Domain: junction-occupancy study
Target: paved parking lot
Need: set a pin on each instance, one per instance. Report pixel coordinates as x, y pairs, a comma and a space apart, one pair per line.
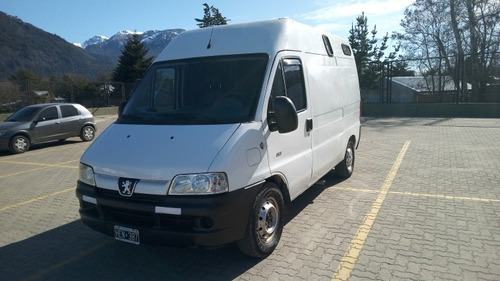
423, 204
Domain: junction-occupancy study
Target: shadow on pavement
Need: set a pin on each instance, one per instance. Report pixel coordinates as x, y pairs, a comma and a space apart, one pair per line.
75, 252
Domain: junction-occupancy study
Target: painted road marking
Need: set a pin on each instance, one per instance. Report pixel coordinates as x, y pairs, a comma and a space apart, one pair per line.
40, 164
43, 166
440, 196
350, 257
36, 199
405, 193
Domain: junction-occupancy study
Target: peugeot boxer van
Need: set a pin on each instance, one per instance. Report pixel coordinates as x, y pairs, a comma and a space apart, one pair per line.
228, 126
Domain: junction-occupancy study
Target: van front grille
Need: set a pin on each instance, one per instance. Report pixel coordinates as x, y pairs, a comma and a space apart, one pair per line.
136, 196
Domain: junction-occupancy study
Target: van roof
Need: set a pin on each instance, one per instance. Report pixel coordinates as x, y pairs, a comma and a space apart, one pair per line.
268, 37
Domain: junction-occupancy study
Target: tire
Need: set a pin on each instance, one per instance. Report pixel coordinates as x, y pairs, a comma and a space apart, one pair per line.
87, 133
345, 168
265, 224
19, 144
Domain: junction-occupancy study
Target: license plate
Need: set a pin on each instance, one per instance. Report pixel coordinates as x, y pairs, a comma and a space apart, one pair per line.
126, 234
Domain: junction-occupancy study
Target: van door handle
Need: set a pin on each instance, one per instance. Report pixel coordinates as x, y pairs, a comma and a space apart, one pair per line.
309, 124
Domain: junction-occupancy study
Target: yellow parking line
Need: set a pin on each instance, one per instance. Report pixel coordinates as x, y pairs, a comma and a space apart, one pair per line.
354, 189
350, 257
36, 199
37, 164
31, 153
43, 166
19, 173
439, 196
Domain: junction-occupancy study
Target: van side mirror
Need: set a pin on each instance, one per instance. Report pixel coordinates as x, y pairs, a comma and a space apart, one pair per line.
285, 114
121, 107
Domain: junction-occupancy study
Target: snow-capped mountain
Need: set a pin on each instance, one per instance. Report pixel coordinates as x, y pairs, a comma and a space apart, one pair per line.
156, 41
94, 40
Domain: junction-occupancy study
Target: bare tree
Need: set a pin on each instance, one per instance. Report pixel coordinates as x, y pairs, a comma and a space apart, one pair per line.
427, 39
463, 49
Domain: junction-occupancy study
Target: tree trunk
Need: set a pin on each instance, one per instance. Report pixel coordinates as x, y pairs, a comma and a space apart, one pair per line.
458, 78
473, 48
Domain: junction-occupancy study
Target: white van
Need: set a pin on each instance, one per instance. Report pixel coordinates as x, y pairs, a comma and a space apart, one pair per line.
228, 126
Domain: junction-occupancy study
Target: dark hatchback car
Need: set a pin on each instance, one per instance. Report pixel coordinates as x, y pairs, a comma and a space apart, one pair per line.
45, 122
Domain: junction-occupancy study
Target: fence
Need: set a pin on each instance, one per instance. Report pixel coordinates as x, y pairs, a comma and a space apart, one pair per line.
433, 80
437, 80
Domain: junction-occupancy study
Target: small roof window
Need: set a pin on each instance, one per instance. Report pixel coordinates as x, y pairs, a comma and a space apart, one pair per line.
328, 46
346, 50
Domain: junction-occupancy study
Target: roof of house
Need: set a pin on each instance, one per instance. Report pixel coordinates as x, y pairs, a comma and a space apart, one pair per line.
425, 83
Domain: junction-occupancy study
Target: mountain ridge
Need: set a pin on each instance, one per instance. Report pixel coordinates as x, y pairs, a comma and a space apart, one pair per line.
155, 40
23, 45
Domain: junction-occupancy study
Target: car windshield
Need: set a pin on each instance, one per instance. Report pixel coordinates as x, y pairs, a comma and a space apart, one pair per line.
213, 90
23, 115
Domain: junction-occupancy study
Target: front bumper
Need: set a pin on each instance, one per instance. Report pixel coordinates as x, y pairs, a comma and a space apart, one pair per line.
207, 221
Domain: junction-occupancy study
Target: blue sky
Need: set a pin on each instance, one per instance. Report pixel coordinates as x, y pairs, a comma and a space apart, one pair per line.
79, 20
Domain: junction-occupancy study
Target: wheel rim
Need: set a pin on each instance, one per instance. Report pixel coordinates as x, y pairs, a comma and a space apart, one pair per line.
20, 144
267, 220
88, 133
349, 159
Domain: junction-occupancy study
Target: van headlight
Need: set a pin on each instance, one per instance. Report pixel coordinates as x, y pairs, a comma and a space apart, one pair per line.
199, 184
86, 174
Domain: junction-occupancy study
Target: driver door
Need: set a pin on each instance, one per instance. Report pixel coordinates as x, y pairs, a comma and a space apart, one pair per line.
46, 126
290, 154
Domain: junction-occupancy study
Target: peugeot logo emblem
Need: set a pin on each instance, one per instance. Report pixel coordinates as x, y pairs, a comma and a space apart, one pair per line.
126, 186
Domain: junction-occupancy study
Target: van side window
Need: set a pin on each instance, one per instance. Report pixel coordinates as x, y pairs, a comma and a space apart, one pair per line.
289, 81
294, 81
278, 83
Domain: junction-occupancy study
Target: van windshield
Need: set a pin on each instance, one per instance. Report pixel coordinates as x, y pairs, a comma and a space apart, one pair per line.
212, 90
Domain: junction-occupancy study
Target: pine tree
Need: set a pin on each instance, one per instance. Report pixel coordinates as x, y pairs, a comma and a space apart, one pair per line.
211, 17
369, 56
132, 63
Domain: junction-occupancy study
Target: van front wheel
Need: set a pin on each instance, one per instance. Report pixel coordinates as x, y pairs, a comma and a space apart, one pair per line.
345, 168
265, 224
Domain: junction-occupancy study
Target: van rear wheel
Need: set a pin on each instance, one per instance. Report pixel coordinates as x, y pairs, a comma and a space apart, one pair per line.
265, 224
345, 168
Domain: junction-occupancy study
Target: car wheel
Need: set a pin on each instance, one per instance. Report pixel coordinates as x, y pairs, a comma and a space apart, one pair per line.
87, 133
345, 168
19, 144
265, 224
